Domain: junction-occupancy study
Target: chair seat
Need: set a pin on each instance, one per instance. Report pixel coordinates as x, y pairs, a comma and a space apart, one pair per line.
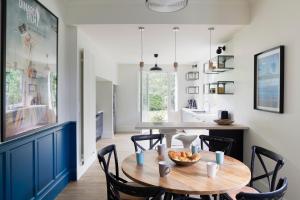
134, 184
245, 189
124, 196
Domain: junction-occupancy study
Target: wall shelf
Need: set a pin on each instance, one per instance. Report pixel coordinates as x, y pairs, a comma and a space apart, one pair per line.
219, 87
219, 64
192, 76
192, 90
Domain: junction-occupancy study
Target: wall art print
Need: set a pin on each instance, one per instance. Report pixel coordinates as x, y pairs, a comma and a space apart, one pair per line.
269, 80
29, 44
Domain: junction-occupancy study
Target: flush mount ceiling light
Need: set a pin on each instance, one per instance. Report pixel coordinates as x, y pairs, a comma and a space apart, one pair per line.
156, 67
165, 6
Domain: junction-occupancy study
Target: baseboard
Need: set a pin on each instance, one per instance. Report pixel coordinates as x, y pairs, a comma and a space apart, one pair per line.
125, 129
83, 168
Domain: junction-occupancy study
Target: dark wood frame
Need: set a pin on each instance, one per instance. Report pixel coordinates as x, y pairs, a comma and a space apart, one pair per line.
281, 93
3, 17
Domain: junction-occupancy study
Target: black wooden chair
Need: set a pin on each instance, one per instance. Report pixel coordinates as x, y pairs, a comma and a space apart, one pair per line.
277, 194
215, 143
155, 138
270, 175
118, 188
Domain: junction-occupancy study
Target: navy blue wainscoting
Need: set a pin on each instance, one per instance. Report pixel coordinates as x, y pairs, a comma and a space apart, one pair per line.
39, 165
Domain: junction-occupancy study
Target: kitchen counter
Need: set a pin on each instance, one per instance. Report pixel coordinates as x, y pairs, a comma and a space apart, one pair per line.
188, 125
235, 131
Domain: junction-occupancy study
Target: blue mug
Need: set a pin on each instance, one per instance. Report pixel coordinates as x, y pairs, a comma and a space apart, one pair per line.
140, 157
195, 149
219, 157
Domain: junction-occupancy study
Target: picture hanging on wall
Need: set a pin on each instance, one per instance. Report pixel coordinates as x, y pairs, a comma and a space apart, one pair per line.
269, 80
29, 43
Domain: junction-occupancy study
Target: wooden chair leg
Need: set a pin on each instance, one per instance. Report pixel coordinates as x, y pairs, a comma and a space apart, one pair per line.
205, 197
215, 196
168, 196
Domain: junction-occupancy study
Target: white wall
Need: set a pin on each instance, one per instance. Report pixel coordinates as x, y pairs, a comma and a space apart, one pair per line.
104, 102
274, 22
105, 67
127, 108
97, 64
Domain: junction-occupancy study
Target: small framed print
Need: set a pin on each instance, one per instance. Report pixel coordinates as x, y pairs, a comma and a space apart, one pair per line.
269, 80
192, 90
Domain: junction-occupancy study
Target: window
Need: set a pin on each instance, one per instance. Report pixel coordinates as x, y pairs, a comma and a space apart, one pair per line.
159, 95
14, 88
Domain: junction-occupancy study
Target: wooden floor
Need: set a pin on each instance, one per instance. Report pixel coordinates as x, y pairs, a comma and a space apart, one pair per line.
92, 185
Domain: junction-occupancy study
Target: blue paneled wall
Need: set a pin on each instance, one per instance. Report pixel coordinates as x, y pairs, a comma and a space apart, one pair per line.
39, 165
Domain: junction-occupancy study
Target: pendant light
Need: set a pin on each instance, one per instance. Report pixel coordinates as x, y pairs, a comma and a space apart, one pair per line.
166, 6
175, 29
142, 47
210, 65
156, 67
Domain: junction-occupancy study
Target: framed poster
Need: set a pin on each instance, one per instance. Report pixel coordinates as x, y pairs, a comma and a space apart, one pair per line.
269, 80
29, 43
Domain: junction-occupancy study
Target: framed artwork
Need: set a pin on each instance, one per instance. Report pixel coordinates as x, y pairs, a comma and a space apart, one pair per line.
29, 60
269, 80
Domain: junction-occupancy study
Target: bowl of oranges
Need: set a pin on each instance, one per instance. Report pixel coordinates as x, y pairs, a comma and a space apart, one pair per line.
184, 158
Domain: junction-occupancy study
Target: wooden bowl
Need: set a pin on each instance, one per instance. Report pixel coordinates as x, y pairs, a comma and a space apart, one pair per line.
224, 121
184, 163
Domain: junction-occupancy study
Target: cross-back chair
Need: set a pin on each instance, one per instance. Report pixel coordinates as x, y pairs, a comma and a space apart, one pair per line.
216, 143
118, 188
270, 174
155, 138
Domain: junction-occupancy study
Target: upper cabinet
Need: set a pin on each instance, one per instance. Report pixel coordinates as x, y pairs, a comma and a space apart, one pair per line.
219, 64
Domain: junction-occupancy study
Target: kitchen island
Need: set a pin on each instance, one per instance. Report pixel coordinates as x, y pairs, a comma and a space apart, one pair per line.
235, 131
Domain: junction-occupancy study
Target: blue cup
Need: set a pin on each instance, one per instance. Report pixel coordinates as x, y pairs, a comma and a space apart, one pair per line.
219, 157
195, 149
140, 157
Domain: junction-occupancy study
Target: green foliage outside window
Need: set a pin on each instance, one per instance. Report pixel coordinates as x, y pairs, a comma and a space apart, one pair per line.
14, 86
156, 103
53, 79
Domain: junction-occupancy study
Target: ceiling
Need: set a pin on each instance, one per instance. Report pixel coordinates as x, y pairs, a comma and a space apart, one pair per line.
122, 41
143, 1
222, 12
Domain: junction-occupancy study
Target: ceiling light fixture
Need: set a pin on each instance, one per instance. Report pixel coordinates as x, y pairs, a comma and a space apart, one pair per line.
142, 47
221, 49
210, 58
156, 67
165, 6
175, 29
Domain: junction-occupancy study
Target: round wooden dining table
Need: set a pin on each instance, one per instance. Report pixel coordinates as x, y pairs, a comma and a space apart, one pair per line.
193, 179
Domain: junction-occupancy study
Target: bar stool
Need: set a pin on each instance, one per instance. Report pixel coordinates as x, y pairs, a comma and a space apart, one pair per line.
186, 139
